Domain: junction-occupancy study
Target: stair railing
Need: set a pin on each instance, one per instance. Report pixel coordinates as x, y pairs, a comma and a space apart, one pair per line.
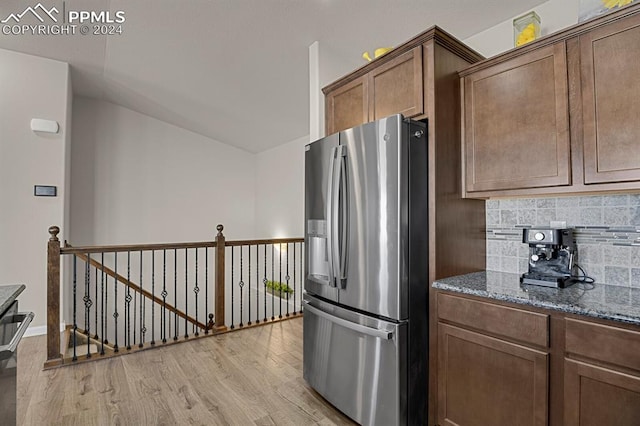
159, 285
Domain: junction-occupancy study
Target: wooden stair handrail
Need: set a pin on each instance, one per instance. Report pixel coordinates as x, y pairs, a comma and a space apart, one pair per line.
263, 242
140, 290
69, 249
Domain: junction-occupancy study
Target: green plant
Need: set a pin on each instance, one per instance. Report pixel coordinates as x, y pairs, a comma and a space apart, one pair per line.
278, 287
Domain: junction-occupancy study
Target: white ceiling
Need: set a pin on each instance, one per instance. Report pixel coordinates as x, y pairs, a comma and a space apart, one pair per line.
237, 71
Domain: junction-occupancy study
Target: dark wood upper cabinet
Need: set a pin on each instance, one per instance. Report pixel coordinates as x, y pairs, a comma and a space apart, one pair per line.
348, 106
517, 123
609, 58
557, 116
399, 82
397, 86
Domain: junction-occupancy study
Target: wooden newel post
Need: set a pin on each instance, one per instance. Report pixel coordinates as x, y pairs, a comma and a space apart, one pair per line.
219, 263
53, 299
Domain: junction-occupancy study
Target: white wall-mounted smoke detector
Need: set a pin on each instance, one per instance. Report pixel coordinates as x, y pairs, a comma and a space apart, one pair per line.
44, 126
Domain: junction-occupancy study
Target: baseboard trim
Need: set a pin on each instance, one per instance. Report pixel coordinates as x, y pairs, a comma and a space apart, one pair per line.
40, 330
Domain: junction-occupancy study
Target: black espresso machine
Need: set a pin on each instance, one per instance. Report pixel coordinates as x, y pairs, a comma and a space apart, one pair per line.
552, 255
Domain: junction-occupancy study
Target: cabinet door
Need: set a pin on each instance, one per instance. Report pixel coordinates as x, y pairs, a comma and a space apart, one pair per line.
396, 87
517, 123
487, 381
347, 106
596, 396
609, 58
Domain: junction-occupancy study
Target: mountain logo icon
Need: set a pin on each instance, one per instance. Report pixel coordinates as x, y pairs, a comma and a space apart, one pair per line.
39, 11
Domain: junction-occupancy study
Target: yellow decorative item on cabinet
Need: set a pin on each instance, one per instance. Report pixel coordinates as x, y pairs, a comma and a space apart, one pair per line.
610, 4
592, 8
526, 28
376, 53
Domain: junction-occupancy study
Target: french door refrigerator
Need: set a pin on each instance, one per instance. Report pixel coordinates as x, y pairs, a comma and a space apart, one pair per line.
366, 283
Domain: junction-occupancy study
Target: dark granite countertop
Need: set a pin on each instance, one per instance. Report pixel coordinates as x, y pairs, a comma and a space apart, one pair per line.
595, 300
8, 294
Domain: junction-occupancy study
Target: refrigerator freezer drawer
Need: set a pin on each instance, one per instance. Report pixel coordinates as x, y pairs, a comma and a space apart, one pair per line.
358, 367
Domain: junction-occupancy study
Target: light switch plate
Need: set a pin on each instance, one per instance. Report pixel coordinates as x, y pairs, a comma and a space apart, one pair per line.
45, 191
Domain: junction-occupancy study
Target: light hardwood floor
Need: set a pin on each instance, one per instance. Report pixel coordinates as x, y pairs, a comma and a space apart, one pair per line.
248, 377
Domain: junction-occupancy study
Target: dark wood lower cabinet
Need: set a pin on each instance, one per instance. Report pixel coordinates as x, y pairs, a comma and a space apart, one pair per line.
597, 396
503, 364
487, 381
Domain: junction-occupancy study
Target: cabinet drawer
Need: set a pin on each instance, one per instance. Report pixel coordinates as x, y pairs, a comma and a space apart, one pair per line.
603, 343
514, 324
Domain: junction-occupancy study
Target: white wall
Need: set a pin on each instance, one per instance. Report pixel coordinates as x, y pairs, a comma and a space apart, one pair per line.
135, 179
554, 15
31, 87
280, 191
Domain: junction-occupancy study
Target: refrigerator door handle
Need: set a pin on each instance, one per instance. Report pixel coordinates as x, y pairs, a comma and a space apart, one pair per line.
359, 328
330, 224
339, 237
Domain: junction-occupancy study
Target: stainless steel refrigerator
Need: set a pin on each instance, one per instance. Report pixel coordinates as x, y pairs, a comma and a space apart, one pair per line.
366, 282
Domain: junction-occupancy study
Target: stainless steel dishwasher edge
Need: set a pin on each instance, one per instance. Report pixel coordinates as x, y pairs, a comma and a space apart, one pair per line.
13, 325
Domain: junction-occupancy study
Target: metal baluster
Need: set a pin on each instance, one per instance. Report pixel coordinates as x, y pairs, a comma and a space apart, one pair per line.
87, 303
196, 290
249, 287
206, 286
264, 282
153, 294
135, 317
257, 283
273, 268
102, 303
186, 293
143, 329
241, 284
232, 326
105, 307
115, 303
280, 278
128, 301
75, 322
175, 294
164, 296
96, 312
287, 278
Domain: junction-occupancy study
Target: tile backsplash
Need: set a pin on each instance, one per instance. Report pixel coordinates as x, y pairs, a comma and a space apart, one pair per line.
606, 228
